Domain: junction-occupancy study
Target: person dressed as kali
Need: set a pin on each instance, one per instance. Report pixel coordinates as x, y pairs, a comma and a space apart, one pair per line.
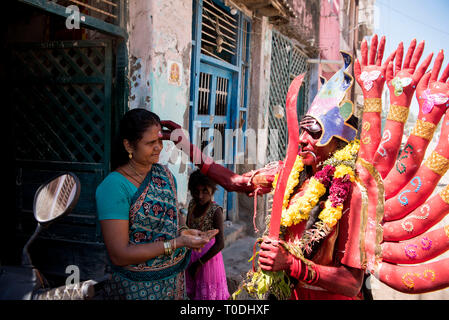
344, 207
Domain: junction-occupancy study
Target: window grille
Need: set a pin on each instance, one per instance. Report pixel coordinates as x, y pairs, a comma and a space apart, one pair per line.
218, 33
287, 62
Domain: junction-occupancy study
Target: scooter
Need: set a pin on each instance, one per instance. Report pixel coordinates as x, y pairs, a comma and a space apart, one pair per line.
52, 201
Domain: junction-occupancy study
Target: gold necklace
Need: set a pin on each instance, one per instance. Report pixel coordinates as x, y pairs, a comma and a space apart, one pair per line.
134, 169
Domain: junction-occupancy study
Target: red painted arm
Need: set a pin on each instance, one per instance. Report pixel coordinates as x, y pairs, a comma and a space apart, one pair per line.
370, 75
401, 84
422, 278
340, 279
424, 182
429, 92
221, 175
420, 220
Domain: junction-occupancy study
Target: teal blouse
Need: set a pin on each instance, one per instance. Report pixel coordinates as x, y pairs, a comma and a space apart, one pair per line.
114, 196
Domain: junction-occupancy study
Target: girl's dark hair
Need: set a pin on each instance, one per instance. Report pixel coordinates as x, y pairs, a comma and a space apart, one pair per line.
199, 179
132, 126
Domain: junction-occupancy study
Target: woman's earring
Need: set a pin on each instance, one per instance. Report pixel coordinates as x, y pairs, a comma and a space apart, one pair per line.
130, 155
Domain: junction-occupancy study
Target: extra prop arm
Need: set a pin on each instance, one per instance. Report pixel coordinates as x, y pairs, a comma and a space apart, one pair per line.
419, 249
402, 81
421, 186
370, 75
390, 219
420, 220
432, 98
422, 278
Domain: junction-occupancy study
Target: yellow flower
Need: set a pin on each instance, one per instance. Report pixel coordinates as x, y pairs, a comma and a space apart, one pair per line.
330, 215
293, 180
348, 152
342, 170
300, 209
275, 181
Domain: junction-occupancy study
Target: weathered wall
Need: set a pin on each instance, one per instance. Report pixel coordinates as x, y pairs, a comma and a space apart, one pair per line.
305, 28
160, 32
329, 31
329, 41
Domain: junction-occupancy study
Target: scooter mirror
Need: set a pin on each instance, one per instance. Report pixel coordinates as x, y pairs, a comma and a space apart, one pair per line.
56, 198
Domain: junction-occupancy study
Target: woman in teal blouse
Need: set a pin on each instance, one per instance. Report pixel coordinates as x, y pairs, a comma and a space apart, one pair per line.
145, 236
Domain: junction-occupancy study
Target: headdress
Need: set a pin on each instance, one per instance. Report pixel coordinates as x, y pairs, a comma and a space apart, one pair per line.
331, 109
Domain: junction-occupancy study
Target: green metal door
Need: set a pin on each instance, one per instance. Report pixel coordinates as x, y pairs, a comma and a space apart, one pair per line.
61, 104
287, 62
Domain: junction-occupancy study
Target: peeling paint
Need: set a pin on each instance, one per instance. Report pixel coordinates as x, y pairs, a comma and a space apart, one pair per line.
161, 31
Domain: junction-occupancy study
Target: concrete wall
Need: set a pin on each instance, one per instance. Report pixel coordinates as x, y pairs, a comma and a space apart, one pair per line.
330, 30
329, 42
305, 28
160, 32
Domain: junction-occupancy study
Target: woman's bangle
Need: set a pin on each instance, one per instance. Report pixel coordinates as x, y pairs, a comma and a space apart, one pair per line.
167, 248
183, 227
201, 261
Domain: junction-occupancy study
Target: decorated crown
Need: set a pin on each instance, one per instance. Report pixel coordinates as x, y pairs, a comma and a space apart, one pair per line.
331, 109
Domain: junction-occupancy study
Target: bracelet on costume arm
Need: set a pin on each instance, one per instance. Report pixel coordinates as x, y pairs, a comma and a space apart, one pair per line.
295, 269
309, 271
313, 274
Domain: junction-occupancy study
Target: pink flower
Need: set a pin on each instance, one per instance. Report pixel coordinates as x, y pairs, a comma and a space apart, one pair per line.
325, 175
339, 190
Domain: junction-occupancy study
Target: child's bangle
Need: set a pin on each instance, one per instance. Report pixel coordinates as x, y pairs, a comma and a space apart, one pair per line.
201, 261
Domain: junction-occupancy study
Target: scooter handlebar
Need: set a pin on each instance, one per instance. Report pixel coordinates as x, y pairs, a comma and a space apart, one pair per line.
81, 291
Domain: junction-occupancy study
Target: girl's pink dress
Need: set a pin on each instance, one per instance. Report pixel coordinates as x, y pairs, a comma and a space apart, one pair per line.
210, 280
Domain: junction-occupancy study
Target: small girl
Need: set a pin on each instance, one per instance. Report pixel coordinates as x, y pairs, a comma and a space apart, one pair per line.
206, 276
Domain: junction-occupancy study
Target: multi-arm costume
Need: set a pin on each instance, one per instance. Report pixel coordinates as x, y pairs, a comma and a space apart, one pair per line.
366, 208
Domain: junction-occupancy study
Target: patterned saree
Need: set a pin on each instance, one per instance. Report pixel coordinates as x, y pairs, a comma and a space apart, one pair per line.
153, 216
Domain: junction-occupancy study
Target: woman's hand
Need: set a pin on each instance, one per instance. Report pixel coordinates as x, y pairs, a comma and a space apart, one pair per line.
192, 239
208, 235
192, 232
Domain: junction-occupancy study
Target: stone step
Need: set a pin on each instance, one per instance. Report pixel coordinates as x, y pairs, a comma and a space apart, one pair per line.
232, 232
